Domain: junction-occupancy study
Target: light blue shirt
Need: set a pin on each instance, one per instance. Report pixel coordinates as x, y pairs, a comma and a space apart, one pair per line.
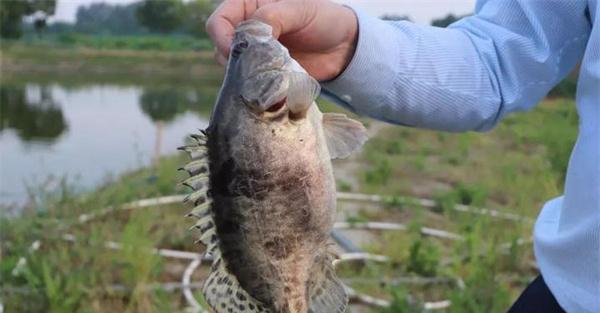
503, 59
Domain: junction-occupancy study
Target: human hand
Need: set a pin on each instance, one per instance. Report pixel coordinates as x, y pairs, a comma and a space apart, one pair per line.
320, 35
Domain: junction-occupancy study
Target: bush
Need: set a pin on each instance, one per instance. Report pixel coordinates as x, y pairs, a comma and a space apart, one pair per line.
401, 303
380, 174
461, 194
423, 258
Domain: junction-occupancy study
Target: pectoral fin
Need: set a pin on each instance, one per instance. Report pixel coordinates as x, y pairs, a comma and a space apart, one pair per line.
342, 134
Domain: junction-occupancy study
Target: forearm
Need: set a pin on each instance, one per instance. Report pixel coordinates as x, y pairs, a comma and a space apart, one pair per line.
461, 78
388, 79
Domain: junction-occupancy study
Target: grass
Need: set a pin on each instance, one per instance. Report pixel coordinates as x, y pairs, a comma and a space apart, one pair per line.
81, 276
514, 168
146, 42
518, 165
172, 43
79, 64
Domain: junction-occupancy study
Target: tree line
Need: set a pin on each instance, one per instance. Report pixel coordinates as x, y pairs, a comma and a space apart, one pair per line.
142, 17
13, 11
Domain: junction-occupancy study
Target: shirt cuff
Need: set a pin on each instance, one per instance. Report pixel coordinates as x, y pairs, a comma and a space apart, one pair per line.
362, 85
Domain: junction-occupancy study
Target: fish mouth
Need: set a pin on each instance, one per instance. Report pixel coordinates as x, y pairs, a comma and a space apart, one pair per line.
272, 112
276, 111
277, 106
255, 28
266, 92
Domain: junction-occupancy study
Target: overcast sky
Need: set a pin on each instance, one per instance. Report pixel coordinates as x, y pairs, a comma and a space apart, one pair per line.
421, 11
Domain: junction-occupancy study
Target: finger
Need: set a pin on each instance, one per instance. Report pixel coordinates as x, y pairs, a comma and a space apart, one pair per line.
286, 16
221, 24
221, 59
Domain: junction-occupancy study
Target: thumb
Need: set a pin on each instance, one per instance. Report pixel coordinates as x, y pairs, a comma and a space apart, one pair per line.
286, 16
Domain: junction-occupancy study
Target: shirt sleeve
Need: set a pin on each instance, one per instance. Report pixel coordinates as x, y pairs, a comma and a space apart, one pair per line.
504, 58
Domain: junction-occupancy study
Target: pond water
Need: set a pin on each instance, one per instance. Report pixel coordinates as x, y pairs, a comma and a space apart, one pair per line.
87, 134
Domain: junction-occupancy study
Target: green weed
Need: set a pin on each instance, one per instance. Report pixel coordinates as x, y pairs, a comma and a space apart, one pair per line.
401, 303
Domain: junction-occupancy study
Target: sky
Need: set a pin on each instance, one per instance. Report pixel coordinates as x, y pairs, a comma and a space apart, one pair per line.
420, 11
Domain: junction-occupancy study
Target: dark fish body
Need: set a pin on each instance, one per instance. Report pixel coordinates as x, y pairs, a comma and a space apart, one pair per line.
274, 202
267, 207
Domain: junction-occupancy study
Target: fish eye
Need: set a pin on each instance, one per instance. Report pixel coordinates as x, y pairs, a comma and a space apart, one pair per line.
239, 47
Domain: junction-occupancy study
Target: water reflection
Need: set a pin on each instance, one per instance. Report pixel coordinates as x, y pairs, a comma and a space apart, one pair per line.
90, 132
32, 112
163, 105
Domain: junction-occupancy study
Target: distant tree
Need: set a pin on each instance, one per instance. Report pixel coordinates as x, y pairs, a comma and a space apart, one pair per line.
161, 15
103, 18
39, 24
142, 16
59, 27
197, 12
12, 13
41, 10
89, 19
447, 20
395, 17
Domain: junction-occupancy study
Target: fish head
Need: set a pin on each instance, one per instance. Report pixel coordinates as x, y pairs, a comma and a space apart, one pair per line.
268, 81
254, 50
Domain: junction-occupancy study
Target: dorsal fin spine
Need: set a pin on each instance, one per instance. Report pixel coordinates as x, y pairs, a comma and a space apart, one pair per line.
222, 297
